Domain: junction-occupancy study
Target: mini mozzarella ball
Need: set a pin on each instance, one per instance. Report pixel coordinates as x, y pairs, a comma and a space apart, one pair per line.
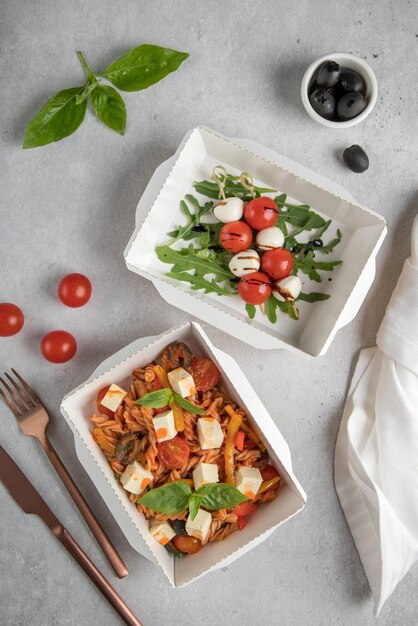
269, 238
244, 263
287, 289
229, 210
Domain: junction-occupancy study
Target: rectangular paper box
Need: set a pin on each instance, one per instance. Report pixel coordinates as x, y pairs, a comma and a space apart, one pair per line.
78, 406
158, 213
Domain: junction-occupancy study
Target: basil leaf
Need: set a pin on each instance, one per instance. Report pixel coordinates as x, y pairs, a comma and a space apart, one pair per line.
194, 506
187, 406
169, 499
143, 66
58, 118
109, 107
313, 296
220, 496
86, 92
156, 399
251, 310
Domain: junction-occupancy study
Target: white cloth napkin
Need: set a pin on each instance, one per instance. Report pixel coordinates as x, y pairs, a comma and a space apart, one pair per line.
376, 455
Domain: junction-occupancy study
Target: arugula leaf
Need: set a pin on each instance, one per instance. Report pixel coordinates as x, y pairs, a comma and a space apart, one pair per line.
220, 496
199, 283
58, 118
313, 296
190, 259
251, 310
187, 406
308, 265
156, 399
232, 188
109, 107
143, 66
170, 499
331, 245
272, 304
193, 219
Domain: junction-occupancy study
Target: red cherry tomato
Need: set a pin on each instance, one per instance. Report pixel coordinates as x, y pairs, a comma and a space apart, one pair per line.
205, 374
58, 346
173, 453
11, 319
268, 473
74, 290
103, 410
242, 522
254, 288
277, 263
189, 545
261, 213
235, 236
245, 508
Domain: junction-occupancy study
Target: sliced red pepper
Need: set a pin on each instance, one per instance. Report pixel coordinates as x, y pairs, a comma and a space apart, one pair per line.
239, 440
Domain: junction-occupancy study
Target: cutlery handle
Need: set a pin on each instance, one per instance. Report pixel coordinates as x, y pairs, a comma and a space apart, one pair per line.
91, 520
96, 576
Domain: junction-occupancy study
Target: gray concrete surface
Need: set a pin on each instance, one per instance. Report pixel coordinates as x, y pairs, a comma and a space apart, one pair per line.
70, 206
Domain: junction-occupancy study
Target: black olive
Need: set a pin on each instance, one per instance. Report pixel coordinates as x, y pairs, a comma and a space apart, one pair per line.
350, 80
328, 74
179, 527
323, 102
295, 249
127, 448
216, 248
350, 105
356, 159
199, 228
235, 280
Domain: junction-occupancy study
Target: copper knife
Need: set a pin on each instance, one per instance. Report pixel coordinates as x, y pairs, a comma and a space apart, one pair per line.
28, 498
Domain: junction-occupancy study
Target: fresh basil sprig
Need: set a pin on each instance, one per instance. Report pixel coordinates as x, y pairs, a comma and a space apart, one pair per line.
176, 497
164, 397
60, 117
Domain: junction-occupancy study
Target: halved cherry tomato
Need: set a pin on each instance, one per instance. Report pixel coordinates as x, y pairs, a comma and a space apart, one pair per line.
205, 374
189, 545
239, 440
250, 444
261, 213
254, 288
58, 346
245, 508
269, 472
173, 453
103, 410
74, 290
277, 263
242, 522
11, 319
235, 236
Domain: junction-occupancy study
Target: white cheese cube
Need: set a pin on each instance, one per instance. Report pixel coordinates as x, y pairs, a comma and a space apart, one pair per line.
205, 473
209, 432
113, 398
136, 478
164, 426
182, 382
162, 532
199, 527
248, 481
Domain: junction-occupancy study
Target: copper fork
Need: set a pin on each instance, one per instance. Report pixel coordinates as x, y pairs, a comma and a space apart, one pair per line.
33, 421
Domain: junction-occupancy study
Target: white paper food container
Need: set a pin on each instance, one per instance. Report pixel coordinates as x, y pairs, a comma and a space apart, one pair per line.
158, 213
78, 406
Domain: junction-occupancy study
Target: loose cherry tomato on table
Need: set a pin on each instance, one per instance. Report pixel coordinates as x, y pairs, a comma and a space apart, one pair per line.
235, 236
11, 319
173, 453
58, 346
261, 213
254, 288
245, 508
189, 545
103, 410
74, 290
205, 374
277, 263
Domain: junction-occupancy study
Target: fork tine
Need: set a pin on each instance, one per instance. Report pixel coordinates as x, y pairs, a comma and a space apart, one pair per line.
17, 400
21, 391
29, 389
10, 404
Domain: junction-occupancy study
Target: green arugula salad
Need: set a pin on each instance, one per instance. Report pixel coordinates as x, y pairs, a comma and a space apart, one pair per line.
244, 242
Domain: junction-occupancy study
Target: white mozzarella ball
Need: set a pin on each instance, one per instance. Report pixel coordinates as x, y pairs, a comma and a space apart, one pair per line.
270, 238
244, 263
287, 289
229, 210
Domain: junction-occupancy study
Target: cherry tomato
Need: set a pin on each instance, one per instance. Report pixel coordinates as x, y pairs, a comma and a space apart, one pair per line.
103, 410
254, 288
173, 453
189, 545
242, 522
261, 213
11, 319
245, 508
269, 472
277, 263
58, 346
205, 374
74, 290
235, 236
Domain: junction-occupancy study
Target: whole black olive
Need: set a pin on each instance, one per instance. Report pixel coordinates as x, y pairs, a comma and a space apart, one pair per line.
328, 74
350, 105
350, 80
323, 102
356, 159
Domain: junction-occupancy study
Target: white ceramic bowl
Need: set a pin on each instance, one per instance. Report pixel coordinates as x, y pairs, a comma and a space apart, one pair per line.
345, 60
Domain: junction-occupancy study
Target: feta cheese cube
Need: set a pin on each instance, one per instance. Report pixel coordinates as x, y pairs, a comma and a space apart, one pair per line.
164, 426
205, 473
199, 527
209, 432
182, 382
162, 532
113, 397
248, 481
136, 478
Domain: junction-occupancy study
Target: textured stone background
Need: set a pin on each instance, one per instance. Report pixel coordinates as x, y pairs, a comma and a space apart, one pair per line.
70, 206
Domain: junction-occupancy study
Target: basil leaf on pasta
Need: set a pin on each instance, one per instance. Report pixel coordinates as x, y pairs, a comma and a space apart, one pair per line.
220, 496
187, 406
156, 399
194, 506
169, 499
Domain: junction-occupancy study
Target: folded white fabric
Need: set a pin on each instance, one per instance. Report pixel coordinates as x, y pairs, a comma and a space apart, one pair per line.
376, 455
